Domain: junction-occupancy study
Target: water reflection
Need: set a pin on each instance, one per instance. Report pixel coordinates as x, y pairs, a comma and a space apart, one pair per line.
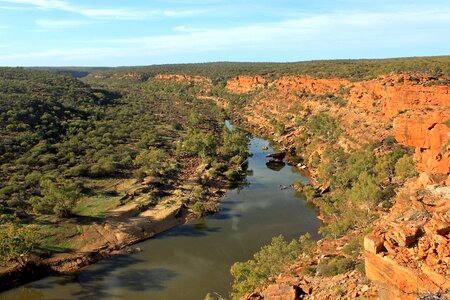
275, 165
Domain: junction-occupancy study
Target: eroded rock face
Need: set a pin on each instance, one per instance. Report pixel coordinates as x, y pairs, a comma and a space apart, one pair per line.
413, 108
182, 77
409, 250
427, 132
129, 75
245, 84
408, 253
393, 94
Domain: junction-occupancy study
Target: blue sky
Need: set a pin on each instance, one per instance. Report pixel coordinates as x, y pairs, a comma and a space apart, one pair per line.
132, 32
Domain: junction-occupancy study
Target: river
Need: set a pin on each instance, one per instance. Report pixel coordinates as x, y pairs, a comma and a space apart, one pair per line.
193, 259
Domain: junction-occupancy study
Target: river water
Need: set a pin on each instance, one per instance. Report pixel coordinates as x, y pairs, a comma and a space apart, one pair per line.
193, 259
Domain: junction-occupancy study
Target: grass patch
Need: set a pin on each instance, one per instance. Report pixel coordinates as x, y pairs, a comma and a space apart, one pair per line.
58, 238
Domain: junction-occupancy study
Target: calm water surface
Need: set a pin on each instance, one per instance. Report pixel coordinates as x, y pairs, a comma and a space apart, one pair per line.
191, 260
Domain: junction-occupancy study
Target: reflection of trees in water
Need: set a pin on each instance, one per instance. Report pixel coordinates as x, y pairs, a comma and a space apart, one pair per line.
240, 185
23, 293
94, 283
275, 165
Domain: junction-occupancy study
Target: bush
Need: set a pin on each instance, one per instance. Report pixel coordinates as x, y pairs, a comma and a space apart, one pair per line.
353, 247
16, 240
199, 208
365, 191
324, 127
199, 143
310, 192
335, 266
278, 127
58, 198
232, 174
152, 161
309, 270
405, 168
315, 160
267, 262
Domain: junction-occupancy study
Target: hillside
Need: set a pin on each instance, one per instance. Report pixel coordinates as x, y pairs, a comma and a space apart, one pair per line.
95, 164
88, 171
364, 143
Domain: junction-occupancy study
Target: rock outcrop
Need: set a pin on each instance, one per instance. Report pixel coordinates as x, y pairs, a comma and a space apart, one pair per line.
426, 130
181, 77
408, 253
129, 75
245, 84
412, 108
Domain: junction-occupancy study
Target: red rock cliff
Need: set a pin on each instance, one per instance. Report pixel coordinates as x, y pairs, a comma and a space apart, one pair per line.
245, 84
374, 105
427, 132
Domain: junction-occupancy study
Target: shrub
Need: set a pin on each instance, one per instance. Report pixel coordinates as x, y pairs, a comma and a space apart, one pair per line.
405, 168
199, 143
232, 174
267, 262
353, 247
16, 240
324, 127
199, 208
310, 192
153, 161
365, 191
58, 197
309, 270
209, 297
278, 126
335, 266
315, 160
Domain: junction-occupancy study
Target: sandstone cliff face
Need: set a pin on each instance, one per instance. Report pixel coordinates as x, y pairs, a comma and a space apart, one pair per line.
309, 85
408, 253
409, 250
130, 75
245, 84
180, 77
205, 82
374, 106
427, 132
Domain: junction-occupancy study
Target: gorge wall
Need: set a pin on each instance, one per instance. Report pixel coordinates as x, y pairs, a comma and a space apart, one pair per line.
414, 109
408, 251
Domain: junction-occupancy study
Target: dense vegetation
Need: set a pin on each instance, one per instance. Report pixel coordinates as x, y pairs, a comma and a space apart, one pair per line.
267, 262
360, 181
65, 145
351, 69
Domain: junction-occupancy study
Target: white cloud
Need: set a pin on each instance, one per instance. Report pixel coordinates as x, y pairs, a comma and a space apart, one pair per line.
103, 13
13, 8
60, 24
344, 32
183, 28
182, 13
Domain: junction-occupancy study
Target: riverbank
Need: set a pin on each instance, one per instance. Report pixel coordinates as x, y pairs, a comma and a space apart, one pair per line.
124, 227
175, 262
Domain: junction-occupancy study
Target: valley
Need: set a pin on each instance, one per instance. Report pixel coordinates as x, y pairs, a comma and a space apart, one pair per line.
147, 149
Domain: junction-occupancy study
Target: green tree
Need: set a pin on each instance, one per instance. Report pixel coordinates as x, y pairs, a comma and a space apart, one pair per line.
152, 161
405, 168
16, 240
58, 197
267, 262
